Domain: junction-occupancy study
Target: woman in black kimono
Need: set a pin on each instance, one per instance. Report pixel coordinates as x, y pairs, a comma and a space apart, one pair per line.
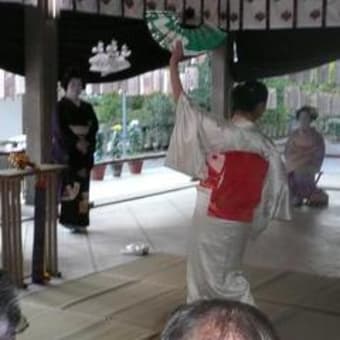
74, 141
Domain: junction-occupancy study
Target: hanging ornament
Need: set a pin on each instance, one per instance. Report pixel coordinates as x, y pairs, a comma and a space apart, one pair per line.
109, 59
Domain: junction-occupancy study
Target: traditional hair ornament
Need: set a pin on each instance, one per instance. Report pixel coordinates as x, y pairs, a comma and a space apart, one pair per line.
109, 59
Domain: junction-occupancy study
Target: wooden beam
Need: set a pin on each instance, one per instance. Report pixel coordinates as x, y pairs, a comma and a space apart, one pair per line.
222, 82
41, 83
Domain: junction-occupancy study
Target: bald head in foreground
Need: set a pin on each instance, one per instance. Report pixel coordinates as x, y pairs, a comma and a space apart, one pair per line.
218, 320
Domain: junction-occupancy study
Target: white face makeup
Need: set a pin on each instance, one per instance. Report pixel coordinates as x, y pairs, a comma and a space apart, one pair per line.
74, 88
304, 120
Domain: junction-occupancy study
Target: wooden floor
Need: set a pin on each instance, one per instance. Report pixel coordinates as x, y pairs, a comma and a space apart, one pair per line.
133, 300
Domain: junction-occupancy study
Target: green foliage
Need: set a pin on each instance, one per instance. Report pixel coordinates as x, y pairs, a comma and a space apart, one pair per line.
136, 102
108, 108
147, 109
280, 114
99, 151
155, 114
274, 122
333, 127
135, 138
142, 115
202, 94
161, 111
115, 145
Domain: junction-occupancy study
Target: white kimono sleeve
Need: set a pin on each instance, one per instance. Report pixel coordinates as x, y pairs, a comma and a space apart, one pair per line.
275, 203
194, 135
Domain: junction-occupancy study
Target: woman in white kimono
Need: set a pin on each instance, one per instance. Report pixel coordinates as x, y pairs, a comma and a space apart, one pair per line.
304, 153
242, 187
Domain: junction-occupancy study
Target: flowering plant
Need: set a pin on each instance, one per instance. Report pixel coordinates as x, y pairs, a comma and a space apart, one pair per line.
135, 137
115, 147
100, 147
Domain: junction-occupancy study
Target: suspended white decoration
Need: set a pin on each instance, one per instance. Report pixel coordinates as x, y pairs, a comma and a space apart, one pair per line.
109, 59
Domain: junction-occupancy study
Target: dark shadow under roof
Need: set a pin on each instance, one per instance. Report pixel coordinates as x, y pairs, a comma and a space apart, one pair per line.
270, 53
78, 33
260, 53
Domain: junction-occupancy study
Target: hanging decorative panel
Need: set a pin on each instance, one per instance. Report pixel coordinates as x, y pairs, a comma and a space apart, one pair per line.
110, 7
281, 14
192, 13
134, 9
226, 14
223, 15
333, 13
255, 14
89, 6
210, 12
155, 5
66, 4
234, 14
309, 13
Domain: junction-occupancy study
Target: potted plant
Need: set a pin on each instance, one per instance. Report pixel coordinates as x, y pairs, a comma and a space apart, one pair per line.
98, 170
135, 146
115, 149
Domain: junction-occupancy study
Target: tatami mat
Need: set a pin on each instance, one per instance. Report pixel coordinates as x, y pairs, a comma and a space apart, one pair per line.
258, 276
111, 330
54, 324
74, 291
133, 301
306, 325
146, 266
174, 276
152, 314
291, 288
117, 300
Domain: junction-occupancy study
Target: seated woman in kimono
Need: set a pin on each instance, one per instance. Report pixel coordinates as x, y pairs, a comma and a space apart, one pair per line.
304, 154
243, 186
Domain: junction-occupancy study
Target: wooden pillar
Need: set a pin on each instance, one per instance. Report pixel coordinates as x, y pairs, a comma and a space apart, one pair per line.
222, 82
41, 82
12, 256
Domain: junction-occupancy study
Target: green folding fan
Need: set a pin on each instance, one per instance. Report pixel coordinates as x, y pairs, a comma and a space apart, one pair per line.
166, 29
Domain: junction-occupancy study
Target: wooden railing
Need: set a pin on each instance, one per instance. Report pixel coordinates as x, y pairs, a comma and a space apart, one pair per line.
10, 195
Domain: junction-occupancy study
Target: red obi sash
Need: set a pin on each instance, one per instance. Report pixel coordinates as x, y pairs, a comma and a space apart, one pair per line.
236, 180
